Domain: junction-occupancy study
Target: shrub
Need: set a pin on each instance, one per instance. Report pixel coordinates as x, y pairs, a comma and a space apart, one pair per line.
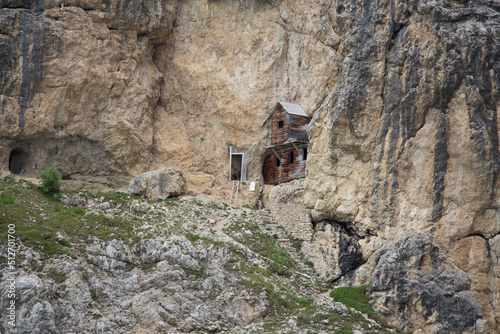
193, 237
64, 242
94, 294
51, 181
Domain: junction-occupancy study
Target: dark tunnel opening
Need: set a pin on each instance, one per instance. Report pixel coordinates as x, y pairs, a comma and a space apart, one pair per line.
18, 161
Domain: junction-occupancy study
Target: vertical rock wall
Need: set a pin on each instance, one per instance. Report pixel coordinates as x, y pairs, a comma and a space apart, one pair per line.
409, 140
404, 95
78, 85
225, 65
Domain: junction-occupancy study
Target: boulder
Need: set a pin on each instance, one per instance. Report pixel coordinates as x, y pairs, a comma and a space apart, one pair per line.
159, 184
415, 286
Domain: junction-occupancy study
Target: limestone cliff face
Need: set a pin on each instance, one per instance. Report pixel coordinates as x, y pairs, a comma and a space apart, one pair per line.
78, 84
225, 65
409, 140
404, 96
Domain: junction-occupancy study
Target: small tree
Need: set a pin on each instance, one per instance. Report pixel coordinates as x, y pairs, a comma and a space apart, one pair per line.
51, 181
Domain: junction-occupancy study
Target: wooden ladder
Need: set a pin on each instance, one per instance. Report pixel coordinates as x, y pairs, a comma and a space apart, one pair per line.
234, 191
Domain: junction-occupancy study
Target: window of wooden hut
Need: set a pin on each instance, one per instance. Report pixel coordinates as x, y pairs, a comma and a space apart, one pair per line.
278, 162
290, 157
304, 153
281, 124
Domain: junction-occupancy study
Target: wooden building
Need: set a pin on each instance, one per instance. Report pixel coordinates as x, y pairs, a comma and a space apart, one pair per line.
286, 155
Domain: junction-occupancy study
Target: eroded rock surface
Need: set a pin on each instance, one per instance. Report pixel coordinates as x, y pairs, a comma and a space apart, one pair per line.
413, 284
408, 141
159, 184
78, 85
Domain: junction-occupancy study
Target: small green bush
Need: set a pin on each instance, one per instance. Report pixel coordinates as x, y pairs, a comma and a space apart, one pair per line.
193, 237
51, 181
96, 315
64, 242
309, 264
94, 294
194, 272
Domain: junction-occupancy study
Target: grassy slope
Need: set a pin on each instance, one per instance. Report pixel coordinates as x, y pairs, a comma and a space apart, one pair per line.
56, 229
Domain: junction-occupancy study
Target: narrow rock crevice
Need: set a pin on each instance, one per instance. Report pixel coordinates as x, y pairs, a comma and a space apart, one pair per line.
441, 157
347, 237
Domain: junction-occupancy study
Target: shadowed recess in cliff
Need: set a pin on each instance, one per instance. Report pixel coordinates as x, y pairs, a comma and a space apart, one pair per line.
33, 48
8, 55
441, 157
72, 156
349, 251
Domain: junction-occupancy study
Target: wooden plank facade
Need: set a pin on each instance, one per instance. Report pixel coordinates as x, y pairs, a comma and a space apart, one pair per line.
289, 168
279, 127
286, 156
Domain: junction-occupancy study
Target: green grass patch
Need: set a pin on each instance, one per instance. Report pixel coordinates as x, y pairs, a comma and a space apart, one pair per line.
64, 243
39, 217
96, 315
193, 237
281, 262
148, 266
5, 199
354, 297
79, 211
57, 276
296, 243
94, 294
193, 272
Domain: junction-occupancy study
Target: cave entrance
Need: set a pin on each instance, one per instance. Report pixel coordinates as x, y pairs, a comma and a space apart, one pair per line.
18, 161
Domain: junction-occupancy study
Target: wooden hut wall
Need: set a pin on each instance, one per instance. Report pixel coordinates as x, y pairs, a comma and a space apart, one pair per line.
269, 171
286, 171
298, 127
278, 135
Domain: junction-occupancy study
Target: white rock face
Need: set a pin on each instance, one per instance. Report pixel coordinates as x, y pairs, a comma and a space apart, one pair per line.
159, 184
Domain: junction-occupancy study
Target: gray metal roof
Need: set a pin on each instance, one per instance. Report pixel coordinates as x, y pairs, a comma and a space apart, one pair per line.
293, 109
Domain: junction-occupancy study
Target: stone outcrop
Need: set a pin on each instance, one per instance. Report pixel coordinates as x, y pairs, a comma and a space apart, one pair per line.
415, 286
132, 299
159, 184
183, 265
334, 250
